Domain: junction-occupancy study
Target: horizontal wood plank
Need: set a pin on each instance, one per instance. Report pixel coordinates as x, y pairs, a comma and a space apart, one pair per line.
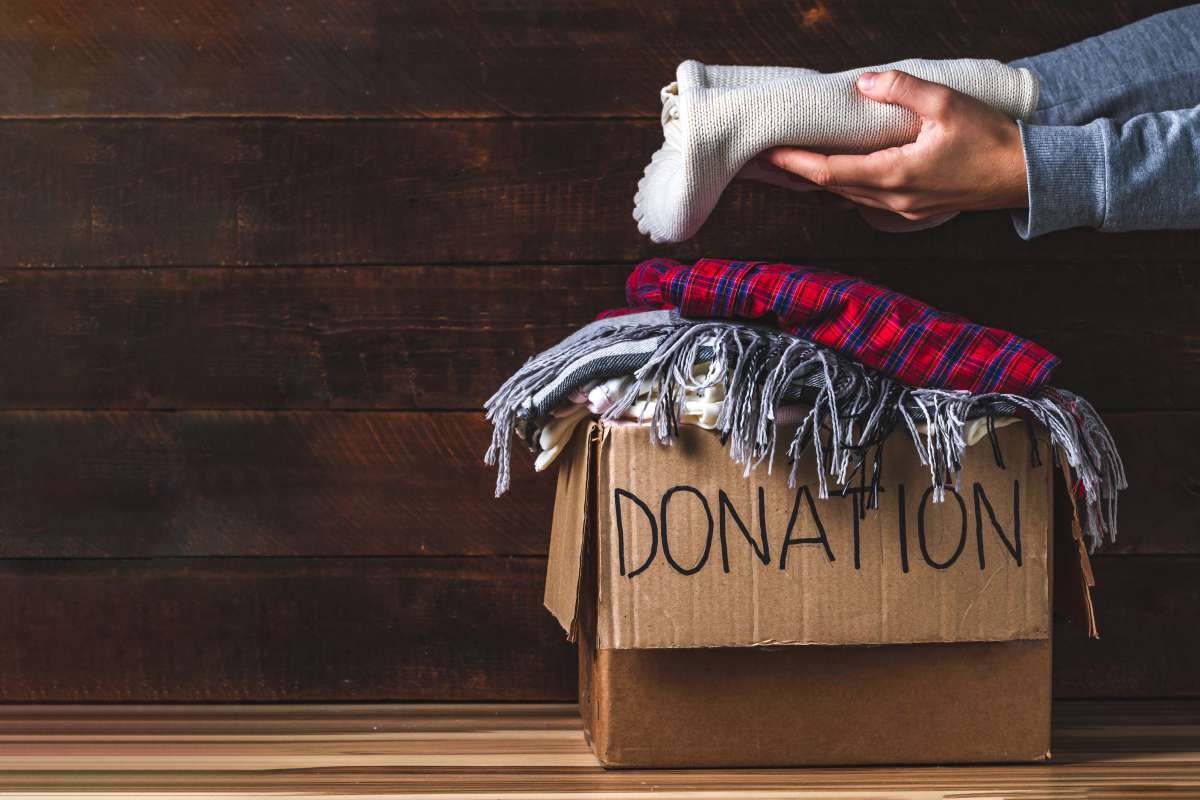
129, 485
429, 628
92, 484
445, 338
406, 337
430, 58
213, 554
1145, 750
1146, 608
237, 192
275, 629
1160, 512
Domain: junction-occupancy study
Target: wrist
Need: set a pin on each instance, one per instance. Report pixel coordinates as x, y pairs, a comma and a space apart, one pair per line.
1067, 178
1014, 182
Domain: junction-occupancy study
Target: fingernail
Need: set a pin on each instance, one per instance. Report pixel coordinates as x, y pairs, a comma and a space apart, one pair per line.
866, 80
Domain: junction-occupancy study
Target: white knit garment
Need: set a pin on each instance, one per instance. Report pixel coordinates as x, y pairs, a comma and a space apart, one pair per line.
717, 119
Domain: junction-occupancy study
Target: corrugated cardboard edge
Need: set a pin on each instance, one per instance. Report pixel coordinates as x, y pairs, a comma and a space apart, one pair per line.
1080, 608
568, 531
595, 697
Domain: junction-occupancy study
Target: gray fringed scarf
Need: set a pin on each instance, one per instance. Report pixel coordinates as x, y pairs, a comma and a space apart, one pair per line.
853, 408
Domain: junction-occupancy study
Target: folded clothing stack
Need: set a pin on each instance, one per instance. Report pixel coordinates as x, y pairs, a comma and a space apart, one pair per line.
716, 119
742, 347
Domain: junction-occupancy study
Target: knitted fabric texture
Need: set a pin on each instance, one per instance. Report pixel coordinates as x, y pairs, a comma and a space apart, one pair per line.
701, 408
850, 410
716, 119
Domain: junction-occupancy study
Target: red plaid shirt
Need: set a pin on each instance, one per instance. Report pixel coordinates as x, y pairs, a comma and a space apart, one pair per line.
897, 335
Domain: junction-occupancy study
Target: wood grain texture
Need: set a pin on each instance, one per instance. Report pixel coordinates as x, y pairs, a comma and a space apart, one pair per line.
1146, 607
280, 629
206, 484
85, 485
236, 192
430, 337
322, 545
1160, 512
403, 58
406, 337
1101, 750
274, 629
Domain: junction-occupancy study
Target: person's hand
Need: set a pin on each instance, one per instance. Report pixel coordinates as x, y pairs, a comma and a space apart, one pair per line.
967, 156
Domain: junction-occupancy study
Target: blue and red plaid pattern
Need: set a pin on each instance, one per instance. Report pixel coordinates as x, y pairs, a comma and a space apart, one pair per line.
885, 330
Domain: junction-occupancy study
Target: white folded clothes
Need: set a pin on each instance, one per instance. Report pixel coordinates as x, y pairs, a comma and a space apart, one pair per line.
716, 119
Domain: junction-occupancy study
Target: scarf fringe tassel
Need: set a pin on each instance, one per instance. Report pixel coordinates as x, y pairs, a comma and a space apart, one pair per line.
853, 409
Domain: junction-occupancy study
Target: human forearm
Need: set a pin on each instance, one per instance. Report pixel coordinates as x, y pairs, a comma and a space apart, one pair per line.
1142, 174
1149, 65
1099, 151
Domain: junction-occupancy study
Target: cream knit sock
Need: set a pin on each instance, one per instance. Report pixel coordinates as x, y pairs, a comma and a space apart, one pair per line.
717, 119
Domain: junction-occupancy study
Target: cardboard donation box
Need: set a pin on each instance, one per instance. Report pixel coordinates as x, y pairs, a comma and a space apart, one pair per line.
733, 621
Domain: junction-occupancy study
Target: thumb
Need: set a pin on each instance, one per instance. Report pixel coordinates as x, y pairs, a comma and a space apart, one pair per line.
931, 100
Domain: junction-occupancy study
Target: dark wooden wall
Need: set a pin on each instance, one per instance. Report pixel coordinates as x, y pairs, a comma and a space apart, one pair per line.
260, 264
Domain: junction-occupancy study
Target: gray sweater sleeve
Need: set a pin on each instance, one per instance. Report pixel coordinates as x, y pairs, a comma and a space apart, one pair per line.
1104, 148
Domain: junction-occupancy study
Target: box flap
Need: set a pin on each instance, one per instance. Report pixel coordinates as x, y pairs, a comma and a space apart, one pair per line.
569, 529
1074, 579
694, 554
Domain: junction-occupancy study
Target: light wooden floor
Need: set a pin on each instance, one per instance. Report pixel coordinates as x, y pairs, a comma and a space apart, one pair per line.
1102, 750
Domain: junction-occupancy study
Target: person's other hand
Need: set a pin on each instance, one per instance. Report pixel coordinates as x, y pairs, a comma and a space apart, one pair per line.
967, 156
